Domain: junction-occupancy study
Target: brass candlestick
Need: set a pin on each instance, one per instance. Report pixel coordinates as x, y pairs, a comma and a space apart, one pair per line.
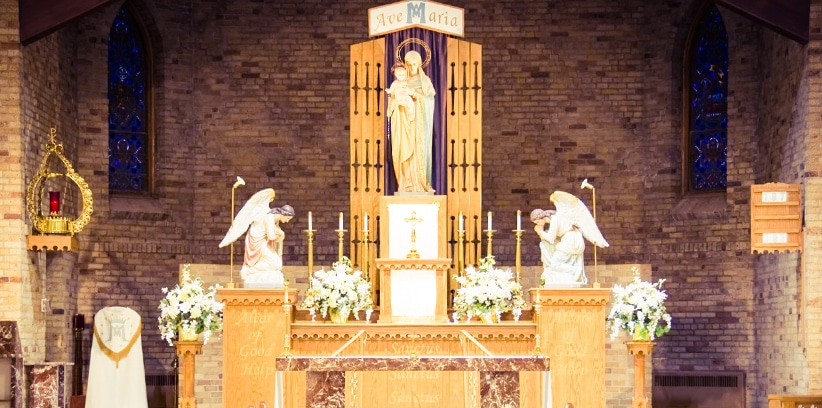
585, 184
365, 255
518, 259
310, 233
340, 237
490, 234
461, 253
286, 346
238, 183
285, 291
537, 347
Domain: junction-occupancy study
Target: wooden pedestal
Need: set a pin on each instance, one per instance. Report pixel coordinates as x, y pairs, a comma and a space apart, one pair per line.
187, 350
639, 349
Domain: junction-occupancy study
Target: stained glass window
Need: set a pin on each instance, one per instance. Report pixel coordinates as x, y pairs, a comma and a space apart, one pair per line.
129, 143
708, 105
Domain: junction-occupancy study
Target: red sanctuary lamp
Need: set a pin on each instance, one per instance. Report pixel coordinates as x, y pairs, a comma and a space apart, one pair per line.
56, 224
54, 202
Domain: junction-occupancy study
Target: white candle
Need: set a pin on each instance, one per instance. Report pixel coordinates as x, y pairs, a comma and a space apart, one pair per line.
365, 223
462, 222
309, 220
489, 222
519, 220
341, 222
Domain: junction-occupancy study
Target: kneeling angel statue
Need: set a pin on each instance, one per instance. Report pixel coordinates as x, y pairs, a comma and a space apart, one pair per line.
563, 244
263, 258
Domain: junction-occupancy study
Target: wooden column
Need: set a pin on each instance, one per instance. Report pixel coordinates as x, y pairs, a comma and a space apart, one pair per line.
639, 349
187, 350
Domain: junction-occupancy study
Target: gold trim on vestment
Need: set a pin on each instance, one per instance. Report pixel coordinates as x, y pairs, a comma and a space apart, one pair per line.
118, 355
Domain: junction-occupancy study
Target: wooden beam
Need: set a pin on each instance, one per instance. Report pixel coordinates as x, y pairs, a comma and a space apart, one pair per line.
790, 18
39, 18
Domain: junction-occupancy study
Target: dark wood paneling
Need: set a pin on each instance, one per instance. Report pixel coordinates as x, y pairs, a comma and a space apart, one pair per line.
41, 17
788, 17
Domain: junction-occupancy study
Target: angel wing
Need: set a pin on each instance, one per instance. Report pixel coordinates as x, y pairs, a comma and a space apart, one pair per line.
572, 208
256, 206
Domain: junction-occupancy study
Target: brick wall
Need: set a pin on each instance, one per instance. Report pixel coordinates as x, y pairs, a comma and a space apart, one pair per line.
50, 101
16, 283
812, 290
781, 322
572, 90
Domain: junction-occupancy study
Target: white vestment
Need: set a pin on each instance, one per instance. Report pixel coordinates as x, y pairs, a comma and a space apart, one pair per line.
116, 375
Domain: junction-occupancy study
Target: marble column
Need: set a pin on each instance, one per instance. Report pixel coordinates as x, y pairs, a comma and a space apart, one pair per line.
47, 385
11, 353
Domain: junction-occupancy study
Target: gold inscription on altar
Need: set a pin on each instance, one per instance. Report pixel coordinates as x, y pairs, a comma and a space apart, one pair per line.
414, 398
256, 317
411, 388
413, 375
402, 348
257, 349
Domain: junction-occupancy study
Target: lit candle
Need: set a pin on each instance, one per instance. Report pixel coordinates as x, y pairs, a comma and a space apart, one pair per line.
462, 222
365, 226
489, 222
309, 221
341, 222
54, 202
519, 220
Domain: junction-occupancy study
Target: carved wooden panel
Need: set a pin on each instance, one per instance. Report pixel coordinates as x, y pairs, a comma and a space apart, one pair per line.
367, 152
464, 149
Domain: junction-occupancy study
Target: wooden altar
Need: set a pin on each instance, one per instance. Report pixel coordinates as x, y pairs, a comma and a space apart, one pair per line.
568, 328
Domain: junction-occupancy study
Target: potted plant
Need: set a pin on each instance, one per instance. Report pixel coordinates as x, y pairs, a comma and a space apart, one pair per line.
487, 292
639, 309
187, 310
339, 292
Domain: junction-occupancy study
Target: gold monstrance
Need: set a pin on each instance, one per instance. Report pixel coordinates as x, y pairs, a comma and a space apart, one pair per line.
413, 220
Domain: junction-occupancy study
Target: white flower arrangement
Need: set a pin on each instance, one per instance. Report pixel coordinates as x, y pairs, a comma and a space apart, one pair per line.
339, 290
487, 292
639, 309
190, 308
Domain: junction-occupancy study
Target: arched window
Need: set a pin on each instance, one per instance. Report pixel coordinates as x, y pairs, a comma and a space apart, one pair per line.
706, 107
130, 134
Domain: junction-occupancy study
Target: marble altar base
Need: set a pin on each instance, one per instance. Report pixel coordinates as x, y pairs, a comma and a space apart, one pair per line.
326, 379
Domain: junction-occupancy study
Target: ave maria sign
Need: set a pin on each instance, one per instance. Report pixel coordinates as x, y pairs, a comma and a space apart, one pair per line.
425, 14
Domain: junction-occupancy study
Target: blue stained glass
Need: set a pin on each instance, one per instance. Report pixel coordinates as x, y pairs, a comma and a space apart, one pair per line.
128, 108
708, 136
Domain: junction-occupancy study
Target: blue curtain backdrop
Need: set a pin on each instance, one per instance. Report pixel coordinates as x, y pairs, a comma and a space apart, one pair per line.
436, 70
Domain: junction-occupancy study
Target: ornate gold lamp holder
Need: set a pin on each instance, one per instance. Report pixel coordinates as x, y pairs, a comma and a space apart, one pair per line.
52, 226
